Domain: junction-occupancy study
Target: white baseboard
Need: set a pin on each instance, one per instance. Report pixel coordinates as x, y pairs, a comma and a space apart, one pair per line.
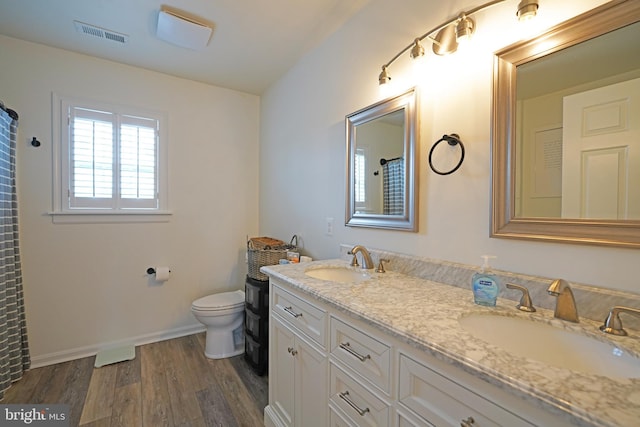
92, 350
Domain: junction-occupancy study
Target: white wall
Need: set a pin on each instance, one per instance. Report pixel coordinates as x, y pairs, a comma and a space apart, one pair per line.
302, 141
85, 285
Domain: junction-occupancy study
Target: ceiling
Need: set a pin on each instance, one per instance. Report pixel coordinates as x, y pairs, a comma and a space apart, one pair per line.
254, 42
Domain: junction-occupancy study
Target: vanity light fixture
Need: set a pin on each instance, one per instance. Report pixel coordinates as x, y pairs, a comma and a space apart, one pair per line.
464, 28
527, 9
445, 41
384, 77
454, 31
417, 50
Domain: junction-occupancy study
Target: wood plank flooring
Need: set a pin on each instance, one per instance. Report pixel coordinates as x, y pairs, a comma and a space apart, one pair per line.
169, 383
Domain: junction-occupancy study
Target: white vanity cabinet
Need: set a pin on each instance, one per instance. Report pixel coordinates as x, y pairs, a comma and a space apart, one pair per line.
327, 368
297, 362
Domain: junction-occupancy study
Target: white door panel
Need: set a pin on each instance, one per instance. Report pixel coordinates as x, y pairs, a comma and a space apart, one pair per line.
601, 153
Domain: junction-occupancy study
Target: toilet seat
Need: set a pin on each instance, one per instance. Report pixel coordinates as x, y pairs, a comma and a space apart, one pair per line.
219, 302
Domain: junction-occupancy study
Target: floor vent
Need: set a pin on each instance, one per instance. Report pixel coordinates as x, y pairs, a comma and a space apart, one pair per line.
102, 33
115, 355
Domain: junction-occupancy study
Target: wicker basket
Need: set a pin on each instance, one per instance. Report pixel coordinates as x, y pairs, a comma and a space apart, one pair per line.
264, 242
260, 254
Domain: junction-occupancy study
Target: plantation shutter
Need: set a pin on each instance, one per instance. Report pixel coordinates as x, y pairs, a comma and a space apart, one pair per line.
360, 179
113, 161
138, 163
92, 181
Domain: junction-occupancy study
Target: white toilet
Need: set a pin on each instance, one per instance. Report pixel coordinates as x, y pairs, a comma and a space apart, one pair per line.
223, 315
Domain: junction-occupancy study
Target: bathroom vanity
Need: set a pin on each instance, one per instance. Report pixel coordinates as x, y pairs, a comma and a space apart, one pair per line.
389, 349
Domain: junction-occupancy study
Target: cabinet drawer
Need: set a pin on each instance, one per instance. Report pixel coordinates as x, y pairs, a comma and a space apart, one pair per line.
364, 354
441, 401
256, 326
336, 419
358, 403
256, 295
301, 315
256, 355
404, 418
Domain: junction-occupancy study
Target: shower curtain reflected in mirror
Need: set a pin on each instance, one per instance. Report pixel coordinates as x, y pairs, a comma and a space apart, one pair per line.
14, 349
393, 187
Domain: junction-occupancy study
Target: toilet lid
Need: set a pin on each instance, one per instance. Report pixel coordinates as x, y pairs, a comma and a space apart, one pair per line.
220, 301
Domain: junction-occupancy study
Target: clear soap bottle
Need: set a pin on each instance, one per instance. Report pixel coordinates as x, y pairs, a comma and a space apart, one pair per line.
485, 285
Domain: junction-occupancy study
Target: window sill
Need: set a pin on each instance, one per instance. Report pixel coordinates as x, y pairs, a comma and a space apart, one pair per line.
99, 217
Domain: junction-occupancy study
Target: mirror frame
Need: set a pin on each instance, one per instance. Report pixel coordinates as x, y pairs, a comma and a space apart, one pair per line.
406, 101
504, 224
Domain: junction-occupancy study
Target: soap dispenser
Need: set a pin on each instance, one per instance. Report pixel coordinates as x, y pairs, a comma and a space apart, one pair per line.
485, 285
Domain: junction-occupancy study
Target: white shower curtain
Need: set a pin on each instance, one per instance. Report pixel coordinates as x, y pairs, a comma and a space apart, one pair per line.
14, 349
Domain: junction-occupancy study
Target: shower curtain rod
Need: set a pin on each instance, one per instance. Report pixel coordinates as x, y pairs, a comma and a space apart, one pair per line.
12, 113
385, 161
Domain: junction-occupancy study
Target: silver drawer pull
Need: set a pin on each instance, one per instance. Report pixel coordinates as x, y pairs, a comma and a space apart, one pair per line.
291, 312
347, 347
469, 422
344, 396
292, 351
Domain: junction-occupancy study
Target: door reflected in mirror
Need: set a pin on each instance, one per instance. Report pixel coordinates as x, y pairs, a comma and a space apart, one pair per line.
578, 130
380, 176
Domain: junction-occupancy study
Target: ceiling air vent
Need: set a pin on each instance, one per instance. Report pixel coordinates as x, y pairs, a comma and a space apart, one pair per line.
102, 33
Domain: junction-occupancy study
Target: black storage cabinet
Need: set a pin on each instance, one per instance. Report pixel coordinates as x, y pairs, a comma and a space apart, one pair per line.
256, 324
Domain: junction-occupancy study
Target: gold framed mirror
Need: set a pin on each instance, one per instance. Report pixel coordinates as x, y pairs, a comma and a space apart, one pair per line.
381, 164
551, 181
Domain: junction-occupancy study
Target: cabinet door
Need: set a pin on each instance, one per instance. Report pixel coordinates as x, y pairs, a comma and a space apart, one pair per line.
297, 378
311, 385
281, 371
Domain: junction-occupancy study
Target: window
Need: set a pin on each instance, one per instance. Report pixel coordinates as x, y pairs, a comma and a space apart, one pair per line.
360, 190
111, 160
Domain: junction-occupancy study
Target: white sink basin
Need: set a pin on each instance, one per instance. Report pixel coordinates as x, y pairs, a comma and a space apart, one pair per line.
338, 274
553, 346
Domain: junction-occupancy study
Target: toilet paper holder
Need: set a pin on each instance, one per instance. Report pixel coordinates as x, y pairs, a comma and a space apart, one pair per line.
152, 270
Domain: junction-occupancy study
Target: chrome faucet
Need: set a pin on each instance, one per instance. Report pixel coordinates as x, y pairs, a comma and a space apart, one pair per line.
367, 262
566, 304
613, 324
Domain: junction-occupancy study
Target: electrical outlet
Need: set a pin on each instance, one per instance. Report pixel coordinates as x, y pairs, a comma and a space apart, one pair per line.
329, 227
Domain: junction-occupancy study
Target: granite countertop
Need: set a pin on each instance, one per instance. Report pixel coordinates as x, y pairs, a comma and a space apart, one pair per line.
425, 314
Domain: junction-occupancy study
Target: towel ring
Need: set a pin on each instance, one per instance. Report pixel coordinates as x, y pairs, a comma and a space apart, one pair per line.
453, 139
